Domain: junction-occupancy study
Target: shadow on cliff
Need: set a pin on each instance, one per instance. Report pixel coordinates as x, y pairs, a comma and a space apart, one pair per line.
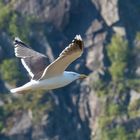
81, 17
129, 12
65, 121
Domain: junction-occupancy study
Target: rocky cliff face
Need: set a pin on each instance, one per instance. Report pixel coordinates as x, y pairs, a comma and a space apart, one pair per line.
76, 108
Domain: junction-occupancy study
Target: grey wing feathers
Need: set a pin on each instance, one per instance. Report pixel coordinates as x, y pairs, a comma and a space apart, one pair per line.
34, 62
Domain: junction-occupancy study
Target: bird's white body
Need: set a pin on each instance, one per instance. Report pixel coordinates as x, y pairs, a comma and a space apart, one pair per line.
50, 83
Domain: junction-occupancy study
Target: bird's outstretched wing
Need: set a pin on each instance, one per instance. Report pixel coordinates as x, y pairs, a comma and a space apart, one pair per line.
34, 62
67, 56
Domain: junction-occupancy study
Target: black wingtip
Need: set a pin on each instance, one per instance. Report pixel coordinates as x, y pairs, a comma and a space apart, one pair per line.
17, 41
78, 40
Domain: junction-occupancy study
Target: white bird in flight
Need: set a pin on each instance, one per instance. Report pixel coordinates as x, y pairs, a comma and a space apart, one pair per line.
44, 76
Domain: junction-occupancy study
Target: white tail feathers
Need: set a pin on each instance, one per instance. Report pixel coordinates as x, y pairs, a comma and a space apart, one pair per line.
15, 90
22, 89
19, 91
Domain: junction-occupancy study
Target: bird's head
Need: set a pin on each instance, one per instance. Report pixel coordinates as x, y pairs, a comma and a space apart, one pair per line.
75, 76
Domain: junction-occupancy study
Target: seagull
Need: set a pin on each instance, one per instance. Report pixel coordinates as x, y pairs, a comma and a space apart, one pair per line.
44, 76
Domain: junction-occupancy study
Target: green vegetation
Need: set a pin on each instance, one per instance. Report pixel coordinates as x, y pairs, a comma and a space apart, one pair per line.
19, 27
13, 22
2, 118
4, 14
117, 133
10, 71
118, 53
114, 91
31, 102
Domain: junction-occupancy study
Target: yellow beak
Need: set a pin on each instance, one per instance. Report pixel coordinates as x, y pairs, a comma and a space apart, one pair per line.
82, 76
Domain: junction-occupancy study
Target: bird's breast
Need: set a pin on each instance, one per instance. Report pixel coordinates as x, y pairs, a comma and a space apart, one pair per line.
53, 83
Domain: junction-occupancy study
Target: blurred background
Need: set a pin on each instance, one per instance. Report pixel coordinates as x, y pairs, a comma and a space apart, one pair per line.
105, 106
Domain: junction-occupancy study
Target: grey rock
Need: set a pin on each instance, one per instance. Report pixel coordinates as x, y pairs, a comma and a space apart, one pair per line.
94, 27
134, 96
138, 71
22, 124
89, 104
119, 30
108, 10
1, 103
94, 60
38, 133
53, 11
